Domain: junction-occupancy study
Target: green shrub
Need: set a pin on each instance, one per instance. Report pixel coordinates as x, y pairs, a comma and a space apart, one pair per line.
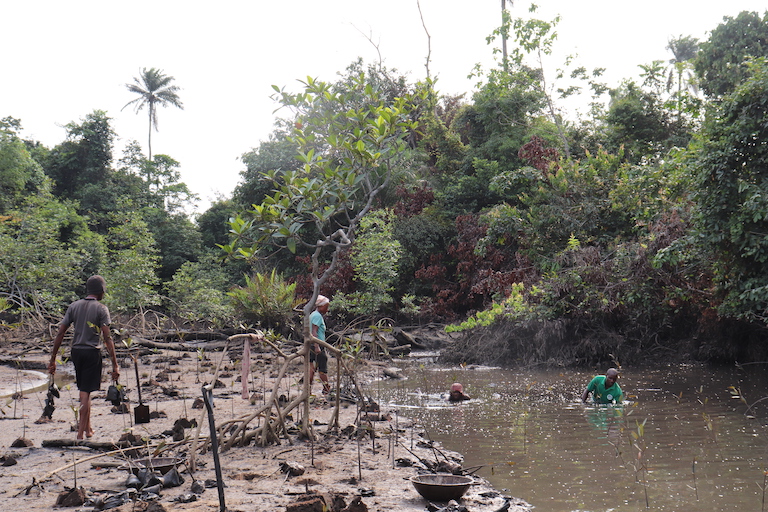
374, 258
266, 299
197, 292
514, 308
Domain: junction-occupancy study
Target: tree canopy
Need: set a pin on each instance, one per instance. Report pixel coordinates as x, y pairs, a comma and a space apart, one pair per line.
643, 219
721, 62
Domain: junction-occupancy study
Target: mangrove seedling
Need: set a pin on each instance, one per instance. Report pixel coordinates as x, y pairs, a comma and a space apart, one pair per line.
200, 358
640, 464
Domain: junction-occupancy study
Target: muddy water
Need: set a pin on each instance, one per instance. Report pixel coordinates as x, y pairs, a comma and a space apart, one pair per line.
682, 443
30, 381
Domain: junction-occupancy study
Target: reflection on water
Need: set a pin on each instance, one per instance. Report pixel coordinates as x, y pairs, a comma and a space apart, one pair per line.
681, 443
13, 380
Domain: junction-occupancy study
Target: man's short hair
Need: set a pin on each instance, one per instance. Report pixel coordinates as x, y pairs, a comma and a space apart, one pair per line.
95, 285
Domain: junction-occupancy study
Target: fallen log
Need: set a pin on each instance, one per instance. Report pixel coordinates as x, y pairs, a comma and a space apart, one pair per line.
94, 445
184, 346
392, 373
156, 449
402, 350
23, 364
171, 336
402, 338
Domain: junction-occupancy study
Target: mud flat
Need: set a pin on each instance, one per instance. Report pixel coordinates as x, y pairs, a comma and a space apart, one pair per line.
349, 469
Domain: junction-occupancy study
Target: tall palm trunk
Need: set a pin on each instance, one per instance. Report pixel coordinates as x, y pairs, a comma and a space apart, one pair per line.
149, 140
503, 35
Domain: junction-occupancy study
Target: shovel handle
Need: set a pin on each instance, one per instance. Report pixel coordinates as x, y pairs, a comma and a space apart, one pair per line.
208, 399
138, 383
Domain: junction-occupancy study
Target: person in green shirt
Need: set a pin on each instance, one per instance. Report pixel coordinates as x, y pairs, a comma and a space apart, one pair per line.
604, 388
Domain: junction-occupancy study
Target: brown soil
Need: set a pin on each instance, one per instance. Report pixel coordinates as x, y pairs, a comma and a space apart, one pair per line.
342, 472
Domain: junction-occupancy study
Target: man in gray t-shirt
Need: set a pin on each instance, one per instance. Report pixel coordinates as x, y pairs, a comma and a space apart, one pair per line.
91, 320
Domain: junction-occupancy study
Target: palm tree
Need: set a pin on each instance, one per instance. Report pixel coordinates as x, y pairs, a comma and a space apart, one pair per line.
154, 89
504, 30
684, 50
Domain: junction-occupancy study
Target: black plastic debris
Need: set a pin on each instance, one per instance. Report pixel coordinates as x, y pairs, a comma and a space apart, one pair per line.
186, 498
133, 481
198, 487
172, 478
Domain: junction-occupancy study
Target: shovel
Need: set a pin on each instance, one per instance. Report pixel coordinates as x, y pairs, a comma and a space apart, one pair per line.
141, 411
208, 399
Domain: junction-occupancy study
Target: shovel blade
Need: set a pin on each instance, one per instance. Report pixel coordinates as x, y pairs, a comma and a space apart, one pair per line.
141, 414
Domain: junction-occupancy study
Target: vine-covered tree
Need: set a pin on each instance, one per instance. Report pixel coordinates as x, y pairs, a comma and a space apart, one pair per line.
721, 60
731, 188
83, 161
132, 262
276, 154
638, 121
46, 253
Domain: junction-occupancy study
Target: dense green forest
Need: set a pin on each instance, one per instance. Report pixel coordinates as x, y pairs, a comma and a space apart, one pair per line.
638, 231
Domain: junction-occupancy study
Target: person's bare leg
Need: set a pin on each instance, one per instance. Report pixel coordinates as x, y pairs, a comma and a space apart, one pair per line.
88, 428
84, 425
311, 376
324, 380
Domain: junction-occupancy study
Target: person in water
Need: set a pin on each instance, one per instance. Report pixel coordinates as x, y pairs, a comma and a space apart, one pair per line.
457, 393
604, 388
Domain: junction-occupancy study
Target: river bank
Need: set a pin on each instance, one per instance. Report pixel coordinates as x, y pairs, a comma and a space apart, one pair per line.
350, 469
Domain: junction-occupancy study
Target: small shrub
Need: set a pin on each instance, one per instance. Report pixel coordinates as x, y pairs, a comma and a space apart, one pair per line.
266, 299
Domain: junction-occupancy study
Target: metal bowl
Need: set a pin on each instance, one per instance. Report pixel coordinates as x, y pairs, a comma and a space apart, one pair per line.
441, 487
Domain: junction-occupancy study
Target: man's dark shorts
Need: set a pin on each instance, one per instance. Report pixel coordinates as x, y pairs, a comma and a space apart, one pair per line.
322, 360
87, 363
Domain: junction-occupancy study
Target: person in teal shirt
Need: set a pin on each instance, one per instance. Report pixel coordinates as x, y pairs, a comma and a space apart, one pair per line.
604, 388
318, 359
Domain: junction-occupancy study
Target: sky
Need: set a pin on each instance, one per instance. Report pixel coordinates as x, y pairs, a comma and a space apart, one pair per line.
63, 60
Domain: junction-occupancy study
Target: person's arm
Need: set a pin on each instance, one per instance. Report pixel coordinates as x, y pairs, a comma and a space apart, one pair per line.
56, 345
589, 389
105, 332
